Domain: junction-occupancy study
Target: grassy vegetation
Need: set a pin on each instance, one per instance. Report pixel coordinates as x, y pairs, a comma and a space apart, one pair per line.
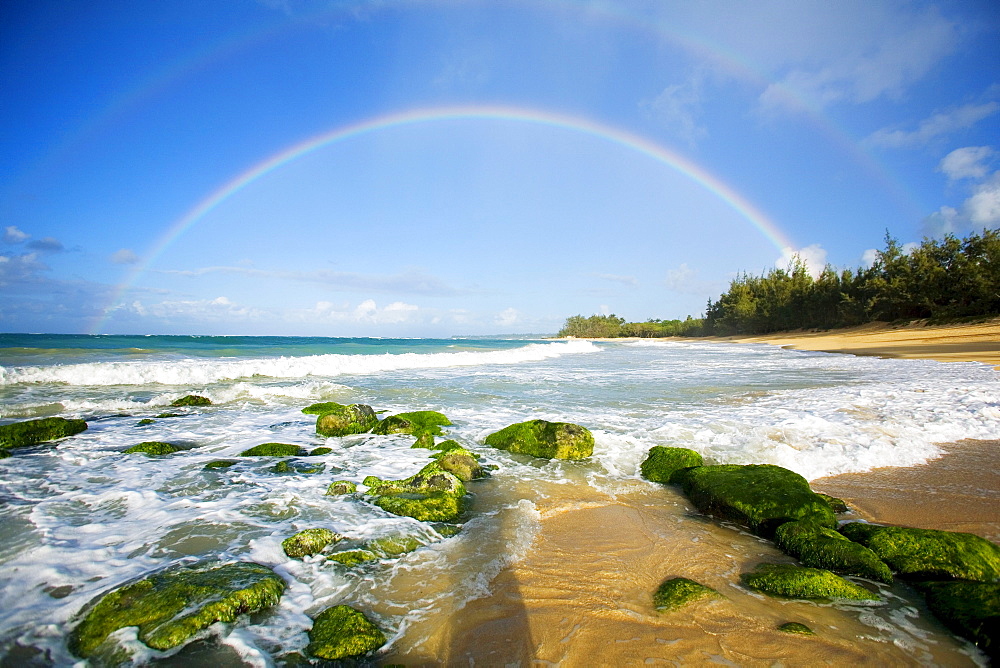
947, 280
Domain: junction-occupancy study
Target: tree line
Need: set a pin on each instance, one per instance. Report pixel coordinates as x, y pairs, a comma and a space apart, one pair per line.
941, 280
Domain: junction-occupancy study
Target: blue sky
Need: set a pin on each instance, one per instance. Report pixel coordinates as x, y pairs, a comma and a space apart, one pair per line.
828, 123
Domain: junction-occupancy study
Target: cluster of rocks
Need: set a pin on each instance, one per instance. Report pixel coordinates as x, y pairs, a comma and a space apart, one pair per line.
959, 573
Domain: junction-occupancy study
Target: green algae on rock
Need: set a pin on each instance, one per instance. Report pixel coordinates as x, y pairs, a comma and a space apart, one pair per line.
838, 506
460, 462
425, 440
929, 554
416, 423
295, 466
324, 407
191, 400
309, 542
316, 452
171, 606
970, 609
273, 450
678, 592
797, 628
152, 448
820, 547
430, 495
663, 462
342, 632
163, 416
145, 422
394, 546
548, 440
346, 420
341, 487
33, 432
759, 496
351, 558
220, 464
792, 581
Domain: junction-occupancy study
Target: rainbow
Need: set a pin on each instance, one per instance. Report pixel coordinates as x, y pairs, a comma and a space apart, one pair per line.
616, 136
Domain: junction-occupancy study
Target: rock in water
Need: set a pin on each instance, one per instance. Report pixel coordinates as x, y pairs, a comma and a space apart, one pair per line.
663, 462
540, 438
192, 400
152, 448
32, 432
929, 554
820, 547
461, 463
796, 628
341, 632
274, 450
416, 423
431, 495
678, 592
970, 609
341, 487
761, 497
346, 420
308, 542
171, 606
325, 407
793, 581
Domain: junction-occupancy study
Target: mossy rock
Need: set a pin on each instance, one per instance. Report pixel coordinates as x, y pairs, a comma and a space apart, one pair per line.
162, 416
221, 464
462, 463
796, 628
423, 507
191, 400
346, 420
761, 497
309, 542
341, 487
33, 432
838, 506
294, 466
548, 440
820, 547
430, 495
152, 448
431, 479
274, 450
4, 454
970, 609
447, 530
352, 558
145, 422
792, 581
416, 423
424, 441
394, 546
342, 632
172, 606
662, 462
929, 554
316, 452
677, 592
324, 407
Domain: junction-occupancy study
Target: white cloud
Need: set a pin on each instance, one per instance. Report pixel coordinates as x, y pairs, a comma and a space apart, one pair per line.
677, 108
12, 235
868, 257
366, 312
20, 268
508, 317
614, 278
966, 163
939, 125
679, 279
813, 256
124, 256
981, 210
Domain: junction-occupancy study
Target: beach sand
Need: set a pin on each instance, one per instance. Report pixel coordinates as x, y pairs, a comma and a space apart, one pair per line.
581, 595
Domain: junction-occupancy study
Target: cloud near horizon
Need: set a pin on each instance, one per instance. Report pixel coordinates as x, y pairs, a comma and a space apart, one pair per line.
937, 126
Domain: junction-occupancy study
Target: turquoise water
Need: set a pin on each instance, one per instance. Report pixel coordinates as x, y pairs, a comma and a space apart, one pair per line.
80, 517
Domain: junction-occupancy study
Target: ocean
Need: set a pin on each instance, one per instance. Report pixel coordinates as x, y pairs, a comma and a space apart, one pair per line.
81, 517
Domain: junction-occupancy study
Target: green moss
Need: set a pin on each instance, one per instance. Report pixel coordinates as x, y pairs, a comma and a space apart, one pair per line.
351, 558
431, 495
325, 407
416, 423
171, 606
316, 452
836, 505
425, 440
341, 632
168, 415
820, 547
346, 420
461, 463
144, 422
309, 541
273, 450
192, 400
447, 530
220, 464
662, 462
797, 628
970, 609
929, 554
800, 582
759, 496
426, 508
4, 454
32, 432
678, 592
540, 438
431, 479
295, 466
393, 546
152, 448
341, 487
